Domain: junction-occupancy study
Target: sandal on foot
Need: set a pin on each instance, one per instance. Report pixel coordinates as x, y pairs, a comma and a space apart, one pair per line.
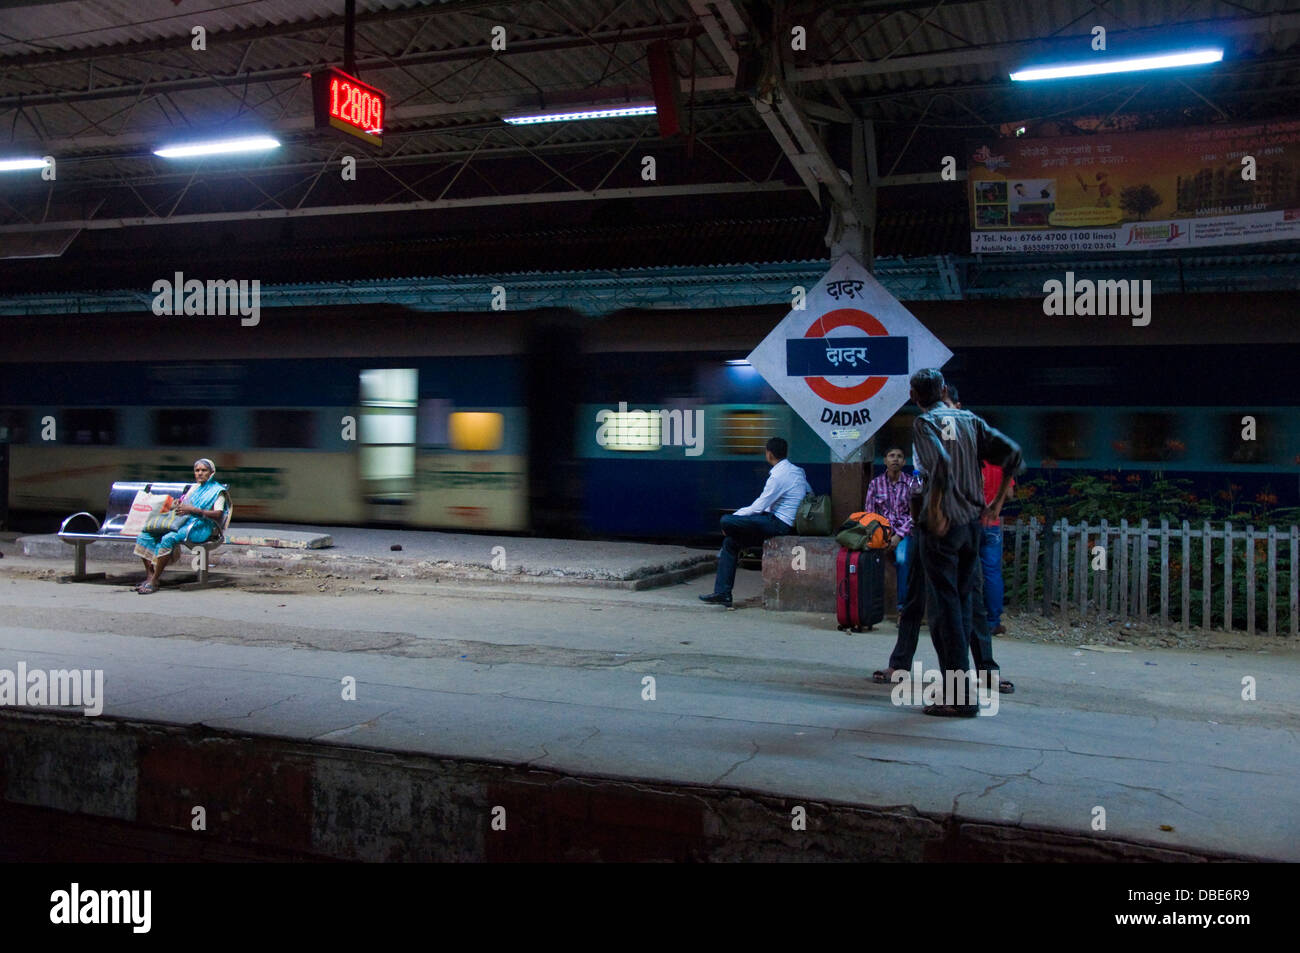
1006, 687
147, 589
884, 676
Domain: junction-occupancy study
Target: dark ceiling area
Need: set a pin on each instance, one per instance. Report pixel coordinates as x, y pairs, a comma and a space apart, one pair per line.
765, 119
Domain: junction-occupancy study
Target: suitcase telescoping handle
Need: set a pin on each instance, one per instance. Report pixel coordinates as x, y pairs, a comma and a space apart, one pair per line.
849, 570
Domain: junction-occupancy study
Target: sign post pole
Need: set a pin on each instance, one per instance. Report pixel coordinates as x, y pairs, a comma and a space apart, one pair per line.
853, 235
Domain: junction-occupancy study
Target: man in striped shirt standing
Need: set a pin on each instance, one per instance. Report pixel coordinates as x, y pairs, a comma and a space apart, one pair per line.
948, 445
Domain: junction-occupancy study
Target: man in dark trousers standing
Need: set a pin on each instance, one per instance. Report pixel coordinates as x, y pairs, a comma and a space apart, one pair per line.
979, 631
948, 445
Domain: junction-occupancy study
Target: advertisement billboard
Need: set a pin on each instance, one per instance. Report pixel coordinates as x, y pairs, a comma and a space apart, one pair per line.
1195, 187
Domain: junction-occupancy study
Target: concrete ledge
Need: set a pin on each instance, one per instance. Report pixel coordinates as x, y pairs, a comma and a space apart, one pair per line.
558, 562
128, 789
280, 539
804, 580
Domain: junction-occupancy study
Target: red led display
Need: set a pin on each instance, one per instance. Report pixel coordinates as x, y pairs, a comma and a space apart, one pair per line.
349, 105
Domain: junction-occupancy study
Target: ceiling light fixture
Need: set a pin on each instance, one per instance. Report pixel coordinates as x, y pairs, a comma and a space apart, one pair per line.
218, 147
14, 165
1130, 64
611, 112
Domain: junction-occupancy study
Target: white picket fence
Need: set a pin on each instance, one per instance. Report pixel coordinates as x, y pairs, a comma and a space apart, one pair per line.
1066, 571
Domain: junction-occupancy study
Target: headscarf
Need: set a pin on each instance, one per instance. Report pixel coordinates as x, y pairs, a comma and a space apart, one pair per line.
197, 494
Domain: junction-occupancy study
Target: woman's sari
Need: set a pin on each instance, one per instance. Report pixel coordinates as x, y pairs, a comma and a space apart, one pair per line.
195, 529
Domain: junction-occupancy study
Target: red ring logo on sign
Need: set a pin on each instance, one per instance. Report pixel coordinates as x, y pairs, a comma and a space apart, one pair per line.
840, 318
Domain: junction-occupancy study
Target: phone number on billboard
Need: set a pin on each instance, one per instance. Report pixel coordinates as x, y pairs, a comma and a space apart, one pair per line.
1069, 237
1044, 242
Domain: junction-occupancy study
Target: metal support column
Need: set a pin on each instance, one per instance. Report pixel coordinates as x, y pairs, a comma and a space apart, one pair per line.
852, 233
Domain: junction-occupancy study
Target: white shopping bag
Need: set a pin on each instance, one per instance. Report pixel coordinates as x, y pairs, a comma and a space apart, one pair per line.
144, 506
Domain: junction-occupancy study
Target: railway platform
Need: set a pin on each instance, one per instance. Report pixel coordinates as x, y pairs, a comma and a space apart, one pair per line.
401, 720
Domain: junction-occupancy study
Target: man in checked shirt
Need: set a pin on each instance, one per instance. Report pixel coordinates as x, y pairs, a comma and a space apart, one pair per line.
948, 445
889, 494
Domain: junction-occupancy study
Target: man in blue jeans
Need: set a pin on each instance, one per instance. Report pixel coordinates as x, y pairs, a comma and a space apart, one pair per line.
890, 494
991, 550
772, 514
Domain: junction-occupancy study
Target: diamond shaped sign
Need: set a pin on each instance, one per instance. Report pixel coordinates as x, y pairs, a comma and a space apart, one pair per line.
843, 362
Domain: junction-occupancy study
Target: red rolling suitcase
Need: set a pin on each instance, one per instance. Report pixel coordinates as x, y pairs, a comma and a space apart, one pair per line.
859, 588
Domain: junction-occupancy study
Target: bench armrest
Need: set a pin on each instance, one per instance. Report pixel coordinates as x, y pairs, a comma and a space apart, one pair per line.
64, 525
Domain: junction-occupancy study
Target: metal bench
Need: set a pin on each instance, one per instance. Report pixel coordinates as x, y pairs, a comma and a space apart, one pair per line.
89, 530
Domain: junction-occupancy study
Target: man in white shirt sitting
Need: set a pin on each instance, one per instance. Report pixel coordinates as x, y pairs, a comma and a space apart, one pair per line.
772, 514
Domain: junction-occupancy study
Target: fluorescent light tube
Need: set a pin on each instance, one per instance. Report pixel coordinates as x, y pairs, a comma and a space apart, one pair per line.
217, 147
610, 113
13, 165
1128, 65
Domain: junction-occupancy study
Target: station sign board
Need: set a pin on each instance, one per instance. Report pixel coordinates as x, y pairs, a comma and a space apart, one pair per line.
843, 362
345, 103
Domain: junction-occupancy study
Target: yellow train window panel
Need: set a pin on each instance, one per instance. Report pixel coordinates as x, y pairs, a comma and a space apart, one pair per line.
476, 430
746, 432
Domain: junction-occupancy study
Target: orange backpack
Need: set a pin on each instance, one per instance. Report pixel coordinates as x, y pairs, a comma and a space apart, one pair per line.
865, 531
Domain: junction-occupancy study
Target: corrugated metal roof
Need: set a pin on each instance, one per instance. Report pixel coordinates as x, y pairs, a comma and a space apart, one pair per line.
434, 61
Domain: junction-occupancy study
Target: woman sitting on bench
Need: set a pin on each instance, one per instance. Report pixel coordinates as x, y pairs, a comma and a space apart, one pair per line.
203, 505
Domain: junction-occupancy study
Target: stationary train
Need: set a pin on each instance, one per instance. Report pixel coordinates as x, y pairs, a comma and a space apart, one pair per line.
549, 422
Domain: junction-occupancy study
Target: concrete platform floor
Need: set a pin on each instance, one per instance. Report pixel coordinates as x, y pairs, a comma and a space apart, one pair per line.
362, 551
776, 703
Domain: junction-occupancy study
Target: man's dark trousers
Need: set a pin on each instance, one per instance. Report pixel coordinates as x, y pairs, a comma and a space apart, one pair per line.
909, 619
738, 533
909, 623
977, 624
949, 562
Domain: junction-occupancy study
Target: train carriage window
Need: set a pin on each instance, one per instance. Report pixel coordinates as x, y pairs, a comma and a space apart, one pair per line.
87, 426
1248, 438
632, 430
478, 430
13, 426
1151, 437
183, 428
284, 429
746, 432
1065, 436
